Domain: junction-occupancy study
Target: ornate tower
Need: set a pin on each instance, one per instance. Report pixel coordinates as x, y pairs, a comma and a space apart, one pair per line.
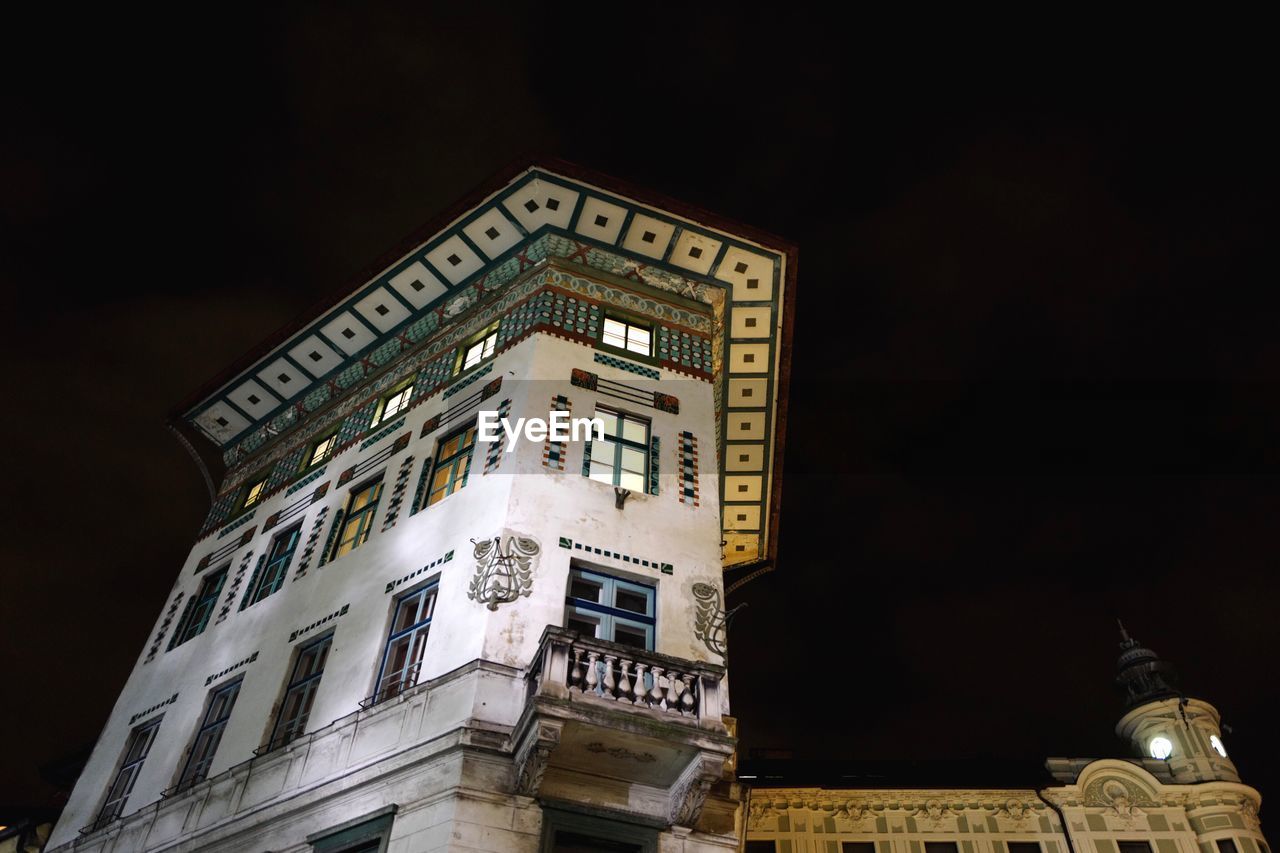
405, 624
1164, 726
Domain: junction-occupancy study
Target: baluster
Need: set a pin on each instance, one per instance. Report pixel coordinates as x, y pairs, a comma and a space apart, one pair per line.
686, 700
641, 691
624, 683
593, 677
608, 676
674, 689
655, 695
575, 672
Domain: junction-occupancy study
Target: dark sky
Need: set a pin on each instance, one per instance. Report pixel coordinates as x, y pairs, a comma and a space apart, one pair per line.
1035, 367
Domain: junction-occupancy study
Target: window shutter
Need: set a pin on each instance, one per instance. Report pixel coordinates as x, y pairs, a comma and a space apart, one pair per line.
253, 582
333, 537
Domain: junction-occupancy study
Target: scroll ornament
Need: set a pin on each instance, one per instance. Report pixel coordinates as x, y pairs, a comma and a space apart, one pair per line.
502, 575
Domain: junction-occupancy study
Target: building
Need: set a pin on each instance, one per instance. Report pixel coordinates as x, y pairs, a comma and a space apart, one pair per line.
396, 633
1178, 793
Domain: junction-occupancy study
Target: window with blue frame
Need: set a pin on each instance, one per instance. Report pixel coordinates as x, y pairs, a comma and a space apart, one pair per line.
406, 643
200, 607
609, 608
300, 694
362, 506
621, 458
453, 462
276, 567
217, 713
135, 753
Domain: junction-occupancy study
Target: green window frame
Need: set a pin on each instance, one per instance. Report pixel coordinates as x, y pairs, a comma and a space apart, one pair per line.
135, 753
393, 403
478, 349
321, 450
368, 834
452, 464
626, 335
300, 692
357, 519
253, 492
200, 607
222, 701
276, 568
621, 458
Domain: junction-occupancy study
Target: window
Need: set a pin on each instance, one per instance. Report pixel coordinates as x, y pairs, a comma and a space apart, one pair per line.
253, 492
621, 458
221, 701
394, 403
1226, 845
1134, 846
140, 740
358, 521
941, 847
570, 832
301, 692
769, 846
402, 660
200, 607
320, 451
276, 568
610, 608
474, 353
857, 847
1024, 847
368, 834
453, 461
628, 336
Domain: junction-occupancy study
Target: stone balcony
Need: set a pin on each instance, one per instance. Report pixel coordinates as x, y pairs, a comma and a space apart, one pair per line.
622, 729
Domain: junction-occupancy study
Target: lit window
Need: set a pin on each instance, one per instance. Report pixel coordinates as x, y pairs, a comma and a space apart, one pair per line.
477, 352
140, 740
253, 493
1161, 748
276, 568
358, 520
393, 404
300, 695
628, 336
402, 660
621, 458
321, 450
200, 607
610, 608
221, 702
453, 461
1216, 743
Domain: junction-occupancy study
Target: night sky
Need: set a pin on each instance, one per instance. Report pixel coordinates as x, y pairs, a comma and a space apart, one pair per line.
1035, 367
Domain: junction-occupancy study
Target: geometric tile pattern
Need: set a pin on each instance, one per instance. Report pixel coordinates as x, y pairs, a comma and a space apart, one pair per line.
333, 537
235, 586
381, 434
164, 627
687, 462
309, 550
454, 389
653, 465
310, 478
438, 561
153, 709
679, 347
218, 675
316, 624
622, 364
493, 457
554, 452
397, 494
665, 568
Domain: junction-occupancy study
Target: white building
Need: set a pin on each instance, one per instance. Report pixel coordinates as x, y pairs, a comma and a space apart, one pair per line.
393, 635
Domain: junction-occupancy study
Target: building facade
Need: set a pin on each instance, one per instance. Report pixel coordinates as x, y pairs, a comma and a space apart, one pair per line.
399, 632
1178, 792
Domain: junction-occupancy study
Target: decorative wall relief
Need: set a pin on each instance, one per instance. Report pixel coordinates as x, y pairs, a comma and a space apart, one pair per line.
502, 576
710, 620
